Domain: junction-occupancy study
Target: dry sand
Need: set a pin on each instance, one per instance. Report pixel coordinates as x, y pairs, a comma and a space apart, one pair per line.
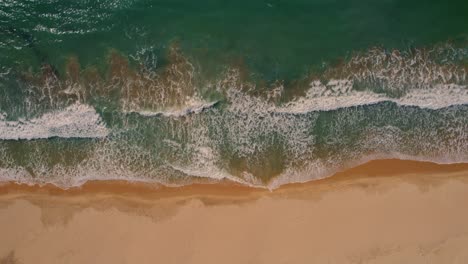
386, 211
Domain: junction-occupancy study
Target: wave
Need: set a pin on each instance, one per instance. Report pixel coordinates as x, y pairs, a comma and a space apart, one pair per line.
75, 121
260, 137
423, 78
338, 94
335, 94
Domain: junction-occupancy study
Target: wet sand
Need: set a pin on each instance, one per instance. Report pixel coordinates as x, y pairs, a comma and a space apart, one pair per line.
387, 211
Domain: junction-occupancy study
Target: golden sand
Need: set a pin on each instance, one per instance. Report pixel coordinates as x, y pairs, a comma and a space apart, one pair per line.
387, 211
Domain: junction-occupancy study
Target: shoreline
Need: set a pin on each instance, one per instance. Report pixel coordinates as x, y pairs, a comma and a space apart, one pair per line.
373, 168
385, 211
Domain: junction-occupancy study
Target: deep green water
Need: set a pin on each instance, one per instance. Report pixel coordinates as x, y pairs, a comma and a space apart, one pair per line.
261, 92
280, 39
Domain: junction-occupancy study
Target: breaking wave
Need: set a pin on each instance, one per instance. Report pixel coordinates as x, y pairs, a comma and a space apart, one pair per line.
169, 124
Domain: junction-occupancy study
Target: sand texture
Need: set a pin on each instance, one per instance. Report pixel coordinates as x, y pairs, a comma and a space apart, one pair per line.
387, 211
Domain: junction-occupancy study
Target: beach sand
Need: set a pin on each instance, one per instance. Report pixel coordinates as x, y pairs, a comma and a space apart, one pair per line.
387, 211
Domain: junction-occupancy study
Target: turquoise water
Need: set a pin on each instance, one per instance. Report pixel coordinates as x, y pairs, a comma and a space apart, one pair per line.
259, 92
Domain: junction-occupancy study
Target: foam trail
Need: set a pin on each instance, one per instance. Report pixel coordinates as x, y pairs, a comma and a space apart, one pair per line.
75, 121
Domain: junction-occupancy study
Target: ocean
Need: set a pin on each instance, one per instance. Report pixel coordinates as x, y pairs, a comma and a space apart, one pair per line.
261, 93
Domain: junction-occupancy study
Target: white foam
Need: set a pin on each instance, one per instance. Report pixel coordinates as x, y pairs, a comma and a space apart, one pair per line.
439, 97
339, 94
75, 121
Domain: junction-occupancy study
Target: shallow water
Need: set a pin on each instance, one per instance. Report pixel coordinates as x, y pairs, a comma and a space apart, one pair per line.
258, 92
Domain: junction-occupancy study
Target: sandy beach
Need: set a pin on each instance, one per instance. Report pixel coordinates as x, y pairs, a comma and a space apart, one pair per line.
387, 211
